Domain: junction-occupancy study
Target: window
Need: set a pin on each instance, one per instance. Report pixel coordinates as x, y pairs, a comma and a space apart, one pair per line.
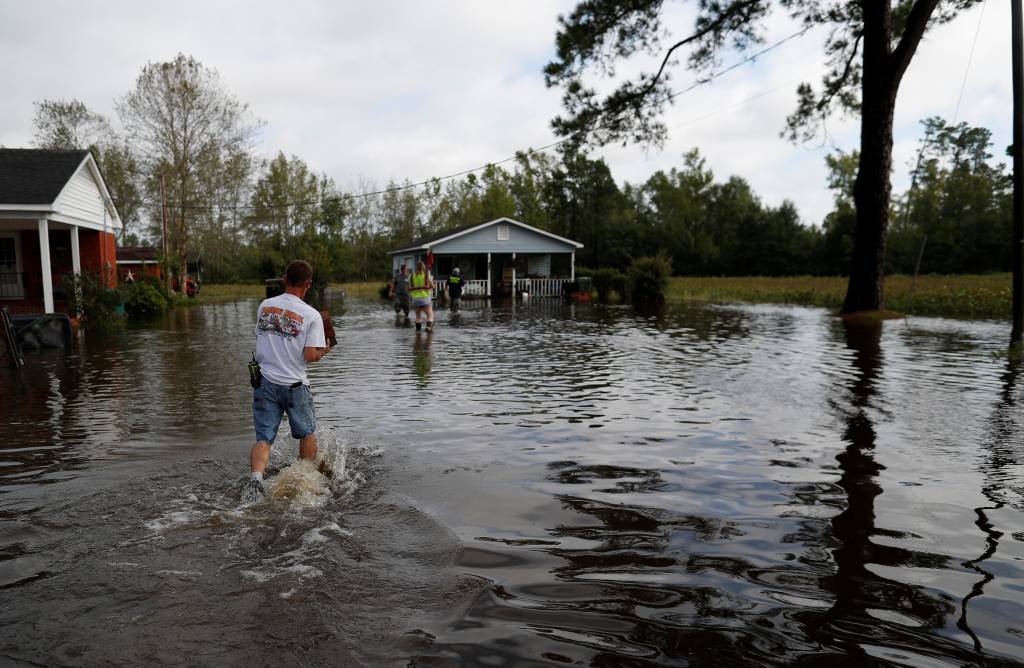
10, 268
502, 232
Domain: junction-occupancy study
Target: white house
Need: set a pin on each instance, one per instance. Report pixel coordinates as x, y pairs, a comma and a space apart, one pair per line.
56, 217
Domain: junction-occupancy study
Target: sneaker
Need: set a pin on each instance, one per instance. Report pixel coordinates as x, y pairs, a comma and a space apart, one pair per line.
253, 491
430, 326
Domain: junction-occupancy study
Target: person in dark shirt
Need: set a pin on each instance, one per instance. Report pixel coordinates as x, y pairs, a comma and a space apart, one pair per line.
455, 289
400, 292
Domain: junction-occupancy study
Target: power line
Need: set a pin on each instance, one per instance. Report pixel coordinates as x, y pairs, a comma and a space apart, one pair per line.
970, 58
347, 197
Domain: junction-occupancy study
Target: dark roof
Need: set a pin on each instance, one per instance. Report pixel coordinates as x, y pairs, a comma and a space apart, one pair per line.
35, 176
136, 253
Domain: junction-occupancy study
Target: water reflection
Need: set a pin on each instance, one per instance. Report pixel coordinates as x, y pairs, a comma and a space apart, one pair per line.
1001, 457
743, 485
422, 358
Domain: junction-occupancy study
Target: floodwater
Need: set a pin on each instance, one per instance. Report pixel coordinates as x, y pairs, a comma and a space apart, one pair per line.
539, 484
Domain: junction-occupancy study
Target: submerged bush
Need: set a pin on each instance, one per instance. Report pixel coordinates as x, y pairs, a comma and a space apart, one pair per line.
606, 280
144, 300
648, 278
99, 306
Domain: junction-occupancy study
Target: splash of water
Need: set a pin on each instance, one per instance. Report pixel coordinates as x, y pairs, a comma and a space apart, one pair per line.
301, 482
332, 474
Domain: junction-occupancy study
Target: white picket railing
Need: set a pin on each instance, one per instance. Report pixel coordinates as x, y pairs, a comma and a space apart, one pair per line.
534, 287
541, 287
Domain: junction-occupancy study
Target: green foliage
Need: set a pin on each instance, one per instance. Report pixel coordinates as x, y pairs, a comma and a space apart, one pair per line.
605, 280
144, 300
648, 278
960, 202
100, 306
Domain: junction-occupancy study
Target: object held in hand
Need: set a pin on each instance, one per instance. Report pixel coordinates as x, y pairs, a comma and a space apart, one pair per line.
329, 335
255, 375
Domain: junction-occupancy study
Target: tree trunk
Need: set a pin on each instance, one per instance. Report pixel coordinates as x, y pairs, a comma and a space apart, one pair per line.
873, 188
871, 194
882, 72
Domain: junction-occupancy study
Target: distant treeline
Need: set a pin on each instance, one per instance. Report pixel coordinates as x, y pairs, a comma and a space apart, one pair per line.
958, 208
246, 217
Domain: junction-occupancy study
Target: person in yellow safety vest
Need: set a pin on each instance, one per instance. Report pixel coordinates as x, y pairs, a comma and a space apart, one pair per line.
421, 286
455, 289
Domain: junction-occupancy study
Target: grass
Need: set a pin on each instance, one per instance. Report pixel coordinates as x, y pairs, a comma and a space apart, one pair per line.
965, 296
221, 292
365, 290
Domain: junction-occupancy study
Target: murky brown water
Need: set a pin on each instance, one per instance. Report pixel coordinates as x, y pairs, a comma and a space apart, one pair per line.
537, 485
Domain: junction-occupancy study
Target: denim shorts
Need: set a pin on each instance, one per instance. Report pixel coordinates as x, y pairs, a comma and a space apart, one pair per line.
421, 302
271, 401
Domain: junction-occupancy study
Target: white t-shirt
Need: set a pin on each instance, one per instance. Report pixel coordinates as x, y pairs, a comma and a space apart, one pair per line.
284, 326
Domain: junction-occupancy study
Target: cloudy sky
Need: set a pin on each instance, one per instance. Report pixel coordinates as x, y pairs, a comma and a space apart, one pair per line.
367, 92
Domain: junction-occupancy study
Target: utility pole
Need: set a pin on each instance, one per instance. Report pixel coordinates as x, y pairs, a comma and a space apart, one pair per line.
1017, 333
163, 222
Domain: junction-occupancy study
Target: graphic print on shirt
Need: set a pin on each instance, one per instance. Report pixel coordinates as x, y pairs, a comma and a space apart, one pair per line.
279, 322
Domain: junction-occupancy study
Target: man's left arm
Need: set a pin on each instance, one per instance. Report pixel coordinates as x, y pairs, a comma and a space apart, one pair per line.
316, 341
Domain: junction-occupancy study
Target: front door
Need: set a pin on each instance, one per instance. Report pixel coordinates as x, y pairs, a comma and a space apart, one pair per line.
11, 286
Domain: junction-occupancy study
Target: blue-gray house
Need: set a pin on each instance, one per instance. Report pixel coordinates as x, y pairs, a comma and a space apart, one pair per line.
499, 257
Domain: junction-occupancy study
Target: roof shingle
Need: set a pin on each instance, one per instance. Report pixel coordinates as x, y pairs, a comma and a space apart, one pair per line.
35, 176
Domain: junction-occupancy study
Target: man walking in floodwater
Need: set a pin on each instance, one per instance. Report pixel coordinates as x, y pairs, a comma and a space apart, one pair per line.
400, 292
289, 333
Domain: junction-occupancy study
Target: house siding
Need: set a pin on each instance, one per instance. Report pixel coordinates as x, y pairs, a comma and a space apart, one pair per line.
81, 197
485, 240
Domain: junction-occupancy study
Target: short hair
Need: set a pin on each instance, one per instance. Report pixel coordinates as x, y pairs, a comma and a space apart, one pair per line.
297, 273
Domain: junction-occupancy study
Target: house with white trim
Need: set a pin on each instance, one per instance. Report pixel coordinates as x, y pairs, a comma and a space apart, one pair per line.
56, 218
498, 258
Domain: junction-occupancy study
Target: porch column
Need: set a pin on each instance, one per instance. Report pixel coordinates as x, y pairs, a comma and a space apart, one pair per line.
76, 256
572, 267
488, 274
44, 257
76, 267
514, 276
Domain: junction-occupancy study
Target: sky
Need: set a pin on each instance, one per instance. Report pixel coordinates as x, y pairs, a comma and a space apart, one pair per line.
367, 92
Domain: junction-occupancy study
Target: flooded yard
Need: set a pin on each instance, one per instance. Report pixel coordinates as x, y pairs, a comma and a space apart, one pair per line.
530, 484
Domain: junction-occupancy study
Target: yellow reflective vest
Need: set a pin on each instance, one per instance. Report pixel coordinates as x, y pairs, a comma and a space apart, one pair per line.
418, 286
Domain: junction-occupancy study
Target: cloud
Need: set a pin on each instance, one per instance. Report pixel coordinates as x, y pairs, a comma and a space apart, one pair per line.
396, 90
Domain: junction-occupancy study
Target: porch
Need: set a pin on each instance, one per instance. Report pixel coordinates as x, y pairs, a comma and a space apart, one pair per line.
534, 287
34, 262
499, 258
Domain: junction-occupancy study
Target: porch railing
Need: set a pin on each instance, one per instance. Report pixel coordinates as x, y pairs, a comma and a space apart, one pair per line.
541, 287
535, 287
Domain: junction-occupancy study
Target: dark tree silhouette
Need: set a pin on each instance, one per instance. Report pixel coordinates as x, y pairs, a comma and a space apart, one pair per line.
869, 46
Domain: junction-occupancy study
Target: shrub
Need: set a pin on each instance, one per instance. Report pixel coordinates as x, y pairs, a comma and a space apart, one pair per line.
144, 301
648, 278
607, 279
99, 305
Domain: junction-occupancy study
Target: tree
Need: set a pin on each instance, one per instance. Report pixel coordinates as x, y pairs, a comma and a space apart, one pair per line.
187, 127
840, 223
285, 200
885, 35
68, 125
583, 199
122, 174
960, 201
